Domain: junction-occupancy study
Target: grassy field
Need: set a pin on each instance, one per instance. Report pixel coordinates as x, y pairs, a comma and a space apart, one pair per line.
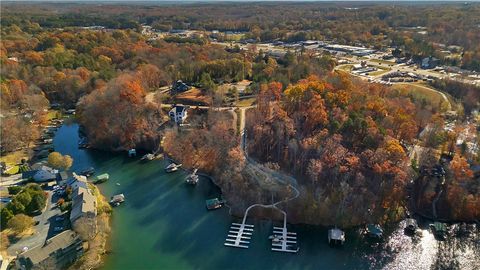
420, 91
381, 70
14, 158
346, 67
246, 102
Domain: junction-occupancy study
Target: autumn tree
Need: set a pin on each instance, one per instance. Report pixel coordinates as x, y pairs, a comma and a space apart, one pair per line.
59, 161
20, 223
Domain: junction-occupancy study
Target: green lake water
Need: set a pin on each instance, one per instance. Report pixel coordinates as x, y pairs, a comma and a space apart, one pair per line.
164, 225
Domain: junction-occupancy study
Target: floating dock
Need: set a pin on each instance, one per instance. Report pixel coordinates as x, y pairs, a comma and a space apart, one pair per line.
239, 235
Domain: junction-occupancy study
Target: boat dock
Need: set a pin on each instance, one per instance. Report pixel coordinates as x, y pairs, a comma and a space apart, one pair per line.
284, 240
239, 235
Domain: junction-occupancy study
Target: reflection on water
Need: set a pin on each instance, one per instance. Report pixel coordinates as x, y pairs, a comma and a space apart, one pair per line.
416, 252
164, 225
426, 252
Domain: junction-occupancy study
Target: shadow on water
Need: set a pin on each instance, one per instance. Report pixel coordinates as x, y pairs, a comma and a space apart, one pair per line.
164, 224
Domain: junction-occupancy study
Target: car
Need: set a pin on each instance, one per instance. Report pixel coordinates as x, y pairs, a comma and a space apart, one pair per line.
58, 229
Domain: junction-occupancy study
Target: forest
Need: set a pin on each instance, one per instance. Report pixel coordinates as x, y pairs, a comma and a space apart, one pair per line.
345, 141
374, 25
42, 66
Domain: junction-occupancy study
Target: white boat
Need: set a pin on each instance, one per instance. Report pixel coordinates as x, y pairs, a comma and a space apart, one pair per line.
172, 167
192, 179
116, 200
148, 157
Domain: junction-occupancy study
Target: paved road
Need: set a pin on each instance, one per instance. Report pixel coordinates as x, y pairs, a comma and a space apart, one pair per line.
6, 181
43, 230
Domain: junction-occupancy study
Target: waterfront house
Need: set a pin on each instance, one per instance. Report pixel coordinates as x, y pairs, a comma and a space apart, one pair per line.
178, 114
44, 174
84, 208
57, 252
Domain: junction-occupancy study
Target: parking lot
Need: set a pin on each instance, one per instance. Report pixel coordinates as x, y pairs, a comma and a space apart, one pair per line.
47, 221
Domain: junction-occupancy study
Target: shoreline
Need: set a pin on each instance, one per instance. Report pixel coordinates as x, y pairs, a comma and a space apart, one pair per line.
231, 211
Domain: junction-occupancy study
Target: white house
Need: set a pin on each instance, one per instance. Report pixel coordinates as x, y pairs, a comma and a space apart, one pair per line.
178, 114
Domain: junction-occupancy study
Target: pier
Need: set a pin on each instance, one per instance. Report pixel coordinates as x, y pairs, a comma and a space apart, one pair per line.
239, 235
287, 241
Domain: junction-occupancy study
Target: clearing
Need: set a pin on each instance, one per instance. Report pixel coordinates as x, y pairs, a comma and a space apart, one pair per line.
435, 97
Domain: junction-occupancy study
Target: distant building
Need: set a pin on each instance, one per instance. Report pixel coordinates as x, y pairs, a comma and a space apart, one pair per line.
357, 66
179, 87
430, 62
178, 114
58, 252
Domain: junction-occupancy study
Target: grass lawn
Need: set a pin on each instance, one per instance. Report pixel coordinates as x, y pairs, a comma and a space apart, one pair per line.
14, 157
346, 67
419, 91
246, 102
234, 37
381, 70
383, 61
13, 170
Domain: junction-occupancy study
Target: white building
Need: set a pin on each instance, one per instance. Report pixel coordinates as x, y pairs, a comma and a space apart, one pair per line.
178, 114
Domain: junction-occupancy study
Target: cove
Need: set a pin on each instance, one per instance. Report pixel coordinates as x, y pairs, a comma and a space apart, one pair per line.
164, 225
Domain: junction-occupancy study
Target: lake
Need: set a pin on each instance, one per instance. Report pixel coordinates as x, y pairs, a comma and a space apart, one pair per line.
164, 225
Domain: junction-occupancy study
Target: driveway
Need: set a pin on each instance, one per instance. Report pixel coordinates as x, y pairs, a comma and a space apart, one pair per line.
43, 230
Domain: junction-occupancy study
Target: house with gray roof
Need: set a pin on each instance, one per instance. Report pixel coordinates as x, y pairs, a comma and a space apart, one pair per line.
57, 252
84, 208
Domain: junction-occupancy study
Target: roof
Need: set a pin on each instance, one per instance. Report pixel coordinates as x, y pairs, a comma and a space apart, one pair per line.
104, 176
374, 229
29, 174
40, 253
439, 226
83, 202
212, 202
411, 221
43, 175
336, 234
178, 109
62, 176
